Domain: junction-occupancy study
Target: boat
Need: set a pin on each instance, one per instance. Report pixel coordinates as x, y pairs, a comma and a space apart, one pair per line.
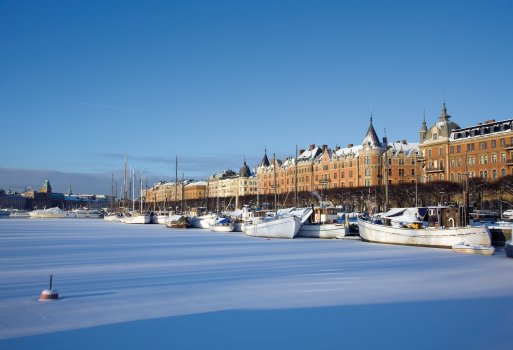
158, 218
177, 221
222, 224
325, 222
473, 249
55, 212
273, 227
485, 216
508, 248
115, 217
202, 221
135, 217
431, 227
5, 213
85, 213
16, 213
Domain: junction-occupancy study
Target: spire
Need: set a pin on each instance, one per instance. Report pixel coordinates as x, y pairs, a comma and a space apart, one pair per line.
371, 138
444, 116
265, 160
69, 189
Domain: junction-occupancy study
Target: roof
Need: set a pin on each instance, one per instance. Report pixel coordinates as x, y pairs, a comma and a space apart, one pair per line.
371, 138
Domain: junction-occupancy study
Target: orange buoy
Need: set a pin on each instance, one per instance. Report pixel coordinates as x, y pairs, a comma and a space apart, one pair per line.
49, 294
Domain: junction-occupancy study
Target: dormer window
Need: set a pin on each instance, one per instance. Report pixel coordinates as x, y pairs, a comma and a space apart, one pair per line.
435, 136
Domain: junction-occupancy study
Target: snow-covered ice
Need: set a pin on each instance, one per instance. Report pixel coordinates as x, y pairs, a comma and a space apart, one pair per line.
147, 286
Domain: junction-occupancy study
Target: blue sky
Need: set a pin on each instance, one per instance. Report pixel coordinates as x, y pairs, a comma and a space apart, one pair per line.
84, 83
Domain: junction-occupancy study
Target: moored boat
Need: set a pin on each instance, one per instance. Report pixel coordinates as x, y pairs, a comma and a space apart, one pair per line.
202, 221
325, 222
177, 221
222, 224
406, 226
55, 212
135, 217
84, 213
273, 227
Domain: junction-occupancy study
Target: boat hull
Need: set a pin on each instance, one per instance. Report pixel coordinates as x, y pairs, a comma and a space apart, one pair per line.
443, 238
286, 227
138, 219
323, 231
158, 219
222, 228
201, 222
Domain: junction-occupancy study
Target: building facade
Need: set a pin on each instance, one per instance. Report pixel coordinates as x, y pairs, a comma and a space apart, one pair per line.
319, 168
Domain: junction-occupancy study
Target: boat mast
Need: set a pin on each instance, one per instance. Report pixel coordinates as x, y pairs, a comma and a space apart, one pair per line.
275, 194
176, 183
295, 180
218, 190
183, 194
124, 185
112, 193
133, 189
140, 191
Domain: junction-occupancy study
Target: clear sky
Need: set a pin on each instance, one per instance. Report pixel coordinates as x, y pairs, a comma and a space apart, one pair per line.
82, 83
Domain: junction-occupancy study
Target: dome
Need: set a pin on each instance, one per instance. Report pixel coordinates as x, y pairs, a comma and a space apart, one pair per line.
244, 170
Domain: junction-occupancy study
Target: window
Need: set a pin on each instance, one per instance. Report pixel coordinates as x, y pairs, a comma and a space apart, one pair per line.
494, 174
366, 160
459, 177
452, 163
335, 166
325, 167
401, 172
441, 151
401, 161
503, 142
452, 176
435, 136
458, 148
367, 172
503, 157
342, 174
459, 162
389, 172
494, 158
429, 152
503, 172
494, 143
412, 172
451, 150
351, 175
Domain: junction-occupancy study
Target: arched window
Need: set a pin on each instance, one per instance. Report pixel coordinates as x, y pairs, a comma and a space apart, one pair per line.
494, 174
452, 176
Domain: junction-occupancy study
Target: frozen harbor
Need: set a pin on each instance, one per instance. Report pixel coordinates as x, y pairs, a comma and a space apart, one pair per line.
146, 286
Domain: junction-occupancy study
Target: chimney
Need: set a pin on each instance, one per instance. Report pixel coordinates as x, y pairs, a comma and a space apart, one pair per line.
338, 147
301, 151
312, 146
324, 147
350, 145
404, 142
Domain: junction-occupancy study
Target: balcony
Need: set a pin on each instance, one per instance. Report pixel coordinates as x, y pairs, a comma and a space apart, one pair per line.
509, 162
508, 146
434, 169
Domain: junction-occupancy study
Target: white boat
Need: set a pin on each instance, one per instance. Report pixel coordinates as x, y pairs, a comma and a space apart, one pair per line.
325, 223
273, 227
115, 217
508, 248
85, 213
473, 249
4, 213
158, 218
55, 212
222, 224
16, 213
135, 217
202, 221
406, 226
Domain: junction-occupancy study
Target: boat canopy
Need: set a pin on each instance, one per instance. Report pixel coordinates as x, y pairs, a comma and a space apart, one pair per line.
302, 213
406, 215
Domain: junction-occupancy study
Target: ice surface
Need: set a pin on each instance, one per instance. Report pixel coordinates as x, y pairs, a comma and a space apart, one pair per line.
147, 286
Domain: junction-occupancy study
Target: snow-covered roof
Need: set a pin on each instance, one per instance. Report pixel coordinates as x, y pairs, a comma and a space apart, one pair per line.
354, 150
407, 148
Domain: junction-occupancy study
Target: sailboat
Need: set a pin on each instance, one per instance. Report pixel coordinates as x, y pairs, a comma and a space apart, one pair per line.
136, 217
278, 225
